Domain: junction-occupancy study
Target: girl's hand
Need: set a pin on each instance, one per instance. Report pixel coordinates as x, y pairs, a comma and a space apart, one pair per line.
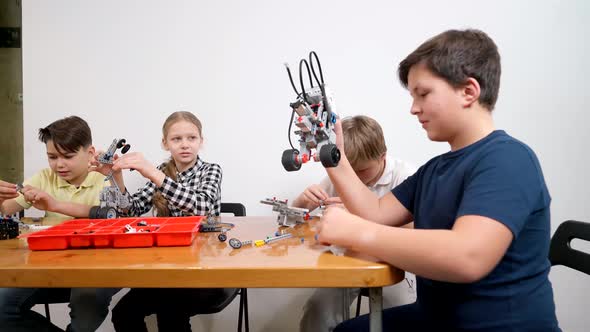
7, 191
96, 166
339, 227
136, 161
39, 199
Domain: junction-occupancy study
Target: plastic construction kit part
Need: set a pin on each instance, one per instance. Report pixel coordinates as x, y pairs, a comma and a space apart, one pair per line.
288, 216
277, 238
108, 156
112, 197
209, 229
215, 226
235, 243
129, 229
336, 250
314, 116
9, 228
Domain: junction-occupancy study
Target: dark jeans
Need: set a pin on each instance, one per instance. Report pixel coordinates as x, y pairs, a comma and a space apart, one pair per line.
407, 317
88, 308
411, 317
173, 307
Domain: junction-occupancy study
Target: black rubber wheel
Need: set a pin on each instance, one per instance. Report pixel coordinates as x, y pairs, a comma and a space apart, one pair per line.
222, 237
235, 243
329, 155
289, 160
120, 143
125, 148
111, 213
106, 212
93, 212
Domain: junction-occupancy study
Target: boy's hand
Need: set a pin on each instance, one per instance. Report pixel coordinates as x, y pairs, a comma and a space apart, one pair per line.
39, 199
7, 191
339, 135
333, 201
314, 194
339, 227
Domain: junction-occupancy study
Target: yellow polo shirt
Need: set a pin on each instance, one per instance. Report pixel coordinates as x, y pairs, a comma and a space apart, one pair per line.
61, 190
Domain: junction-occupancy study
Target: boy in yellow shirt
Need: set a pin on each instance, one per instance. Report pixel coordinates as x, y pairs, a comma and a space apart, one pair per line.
69, 153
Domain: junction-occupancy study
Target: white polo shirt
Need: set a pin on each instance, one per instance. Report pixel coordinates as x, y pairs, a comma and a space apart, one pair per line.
395, 172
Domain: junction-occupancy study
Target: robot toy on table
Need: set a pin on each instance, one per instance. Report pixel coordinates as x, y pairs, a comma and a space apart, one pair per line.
111, 198
315, 120
288, 216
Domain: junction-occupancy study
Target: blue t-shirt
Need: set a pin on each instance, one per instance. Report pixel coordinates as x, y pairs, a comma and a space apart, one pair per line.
500, 178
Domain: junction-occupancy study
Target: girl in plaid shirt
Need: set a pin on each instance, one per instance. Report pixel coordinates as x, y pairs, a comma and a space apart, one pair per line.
184, 185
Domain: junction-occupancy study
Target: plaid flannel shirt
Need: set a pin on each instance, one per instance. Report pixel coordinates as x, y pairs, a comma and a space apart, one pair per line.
197, 191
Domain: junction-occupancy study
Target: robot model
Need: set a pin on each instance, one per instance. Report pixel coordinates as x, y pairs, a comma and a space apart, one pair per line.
111, 198
288, 216
315, 121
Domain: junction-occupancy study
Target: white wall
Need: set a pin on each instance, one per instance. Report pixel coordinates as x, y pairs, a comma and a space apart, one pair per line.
125, 65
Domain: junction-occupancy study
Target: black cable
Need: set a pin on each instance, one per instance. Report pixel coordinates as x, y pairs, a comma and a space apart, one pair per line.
317, 60
301, 78
291, 79
289, 131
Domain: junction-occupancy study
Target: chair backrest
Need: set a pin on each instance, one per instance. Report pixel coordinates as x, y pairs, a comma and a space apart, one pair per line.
561, 252
238, 209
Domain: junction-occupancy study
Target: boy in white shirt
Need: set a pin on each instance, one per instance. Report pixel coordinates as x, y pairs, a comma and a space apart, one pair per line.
366, 150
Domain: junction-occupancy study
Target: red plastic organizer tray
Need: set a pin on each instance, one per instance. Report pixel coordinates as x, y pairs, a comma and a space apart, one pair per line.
114, 233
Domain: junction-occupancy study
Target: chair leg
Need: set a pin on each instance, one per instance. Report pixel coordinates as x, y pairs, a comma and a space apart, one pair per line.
47, 315
245, 292
241, 310
359, 299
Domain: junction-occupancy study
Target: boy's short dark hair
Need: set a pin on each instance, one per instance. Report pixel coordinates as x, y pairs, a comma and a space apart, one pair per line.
456, 55
363, 139
68, 134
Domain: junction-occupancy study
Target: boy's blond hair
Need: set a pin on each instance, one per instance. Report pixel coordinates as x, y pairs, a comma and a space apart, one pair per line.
363, 139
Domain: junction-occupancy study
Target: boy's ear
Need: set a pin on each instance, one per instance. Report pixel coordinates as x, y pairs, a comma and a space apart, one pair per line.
91, 150
471, 91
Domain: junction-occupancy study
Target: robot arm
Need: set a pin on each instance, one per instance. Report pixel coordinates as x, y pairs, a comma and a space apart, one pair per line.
315, 119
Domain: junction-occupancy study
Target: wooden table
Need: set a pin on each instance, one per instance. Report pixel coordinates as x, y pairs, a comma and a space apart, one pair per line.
288, 263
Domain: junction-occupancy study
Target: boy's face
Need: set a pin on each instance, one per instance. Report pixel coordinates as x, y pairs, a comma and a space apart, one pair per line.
436, 103
183, 141
72, 167
370, 171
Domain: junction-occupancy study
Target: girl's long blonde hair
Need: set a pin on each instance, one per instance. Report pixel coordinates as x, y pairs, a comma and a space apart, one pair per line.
161, 208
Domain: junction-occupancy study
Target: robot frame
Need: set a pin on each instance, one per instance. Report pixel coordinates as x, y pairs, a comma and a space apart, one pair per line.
111, 198
288, 216
316, 117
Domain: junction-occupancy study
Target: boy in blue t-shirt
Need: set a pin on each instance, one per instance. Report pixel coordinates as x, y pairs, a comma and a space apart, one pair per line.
481, 211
